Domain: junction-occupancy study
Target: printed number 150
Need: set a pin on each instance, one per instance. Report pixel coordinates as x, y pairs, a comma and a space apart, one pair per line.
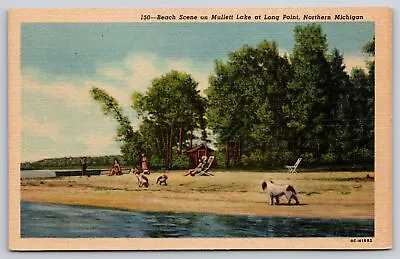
145, 17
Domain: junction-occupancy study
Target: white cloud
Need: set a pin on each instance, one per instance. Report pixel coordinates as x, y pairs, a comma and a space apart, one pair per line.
112, 73
60, 118
96, 142
187, 67
65, 113
48, 130
67, 92
134, 71
122, 95
72, 94
143, 68
138, 70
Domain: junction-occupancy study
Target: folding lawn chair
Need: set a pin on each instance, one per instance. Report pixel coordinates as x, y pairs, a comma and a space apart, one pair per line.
292, 168
205, 172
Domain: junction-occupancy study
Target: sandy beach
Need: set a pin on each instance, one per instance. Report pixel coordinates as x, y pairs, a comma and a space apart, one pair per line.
347, 195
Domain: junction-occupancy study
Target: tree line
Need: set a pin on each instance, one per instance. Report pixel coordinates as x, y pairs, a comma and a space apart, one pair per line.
264, 108
70, 162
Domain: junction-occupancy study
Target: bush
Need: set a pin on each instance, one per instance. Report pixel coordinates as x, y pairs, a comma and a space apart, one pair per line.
156, 162
328, 158
246, 161
219, 161
258, 159
287, 156
308, 158
179, 160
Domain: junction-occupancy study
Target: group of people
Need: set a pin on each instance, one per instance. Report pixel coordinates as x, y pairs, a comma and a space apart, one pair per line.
117, 170
202, 164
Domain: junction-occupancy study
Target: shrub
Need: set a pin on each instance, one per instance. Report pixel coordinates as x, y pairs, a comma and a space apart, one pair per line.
156, 162
179, 160
328, 158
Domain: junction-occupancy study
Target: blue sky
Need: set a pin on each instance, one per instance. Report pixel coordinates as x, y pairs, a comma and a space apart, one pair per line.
60, 62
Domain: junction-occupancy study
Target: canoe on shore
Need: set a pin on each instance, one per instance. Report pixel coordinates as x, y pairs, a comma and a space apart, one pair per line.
78, 172
90, 172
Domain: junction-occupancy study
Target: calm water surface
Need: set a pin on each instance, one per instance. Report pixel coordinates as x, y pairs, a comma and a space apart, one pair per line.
62, 221
37, 173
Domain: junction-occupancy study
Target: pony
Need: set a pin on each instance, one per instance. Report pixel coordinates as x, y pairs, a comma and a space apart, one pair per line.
276, 191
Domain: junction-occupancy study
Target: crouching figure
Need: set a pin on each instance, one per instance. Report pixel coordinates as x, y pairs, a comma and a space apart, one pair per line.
143, 181
162, 180
275, 191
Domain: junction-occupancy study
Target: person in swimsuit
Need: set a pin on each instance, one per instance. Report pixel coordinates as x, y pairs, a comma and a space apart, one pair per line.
116, 170
194, 171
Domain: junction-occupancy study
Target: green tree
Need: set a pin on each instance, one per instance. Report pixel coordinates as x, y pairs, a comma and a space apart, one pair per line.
337, 94
173, 107
360, 114
305, 110
369, 49
131, 143
263, 106
245, 100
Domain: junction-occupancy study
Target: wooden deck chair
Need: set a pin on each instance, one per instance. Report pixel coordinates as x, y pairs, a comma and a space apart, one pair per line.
205, 172
292, 168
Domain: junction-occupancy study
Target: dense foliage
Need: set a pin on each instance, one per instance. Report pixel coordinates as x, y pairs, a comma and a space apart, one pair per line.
171, 109
264, 109
268, 109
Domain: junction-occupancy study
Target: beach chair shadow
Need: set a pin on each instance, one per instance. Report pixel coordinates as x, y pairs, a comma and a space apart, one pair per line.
205, 171
292, 168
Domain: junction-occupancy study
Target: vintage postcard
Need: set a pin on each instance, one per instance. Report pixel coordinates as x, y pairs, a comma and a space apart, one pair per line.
165, 129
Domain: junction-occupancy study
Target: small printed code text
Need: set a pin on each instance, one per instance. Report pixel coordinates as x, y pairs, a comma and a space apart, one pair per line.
361, 240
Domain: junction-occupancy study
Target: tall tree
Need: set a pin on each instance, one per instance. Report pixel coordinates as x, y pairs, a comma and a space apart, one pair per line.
174, 107
245, 100
307, 89
361, 116
131, 146
369, 48
338, 102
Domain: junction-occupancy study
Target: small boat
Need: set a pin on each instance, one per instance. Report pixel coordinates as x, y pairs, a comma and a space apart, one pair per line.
78, 172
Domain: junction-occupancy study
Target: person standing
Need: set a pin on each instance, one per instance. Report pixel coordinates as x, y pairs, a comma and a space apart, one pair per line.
84, 167
145, 165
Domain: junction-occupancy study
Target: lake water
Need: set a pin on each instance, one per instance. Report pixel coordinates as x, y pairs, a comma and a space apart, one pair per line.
37, 173
62, 221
